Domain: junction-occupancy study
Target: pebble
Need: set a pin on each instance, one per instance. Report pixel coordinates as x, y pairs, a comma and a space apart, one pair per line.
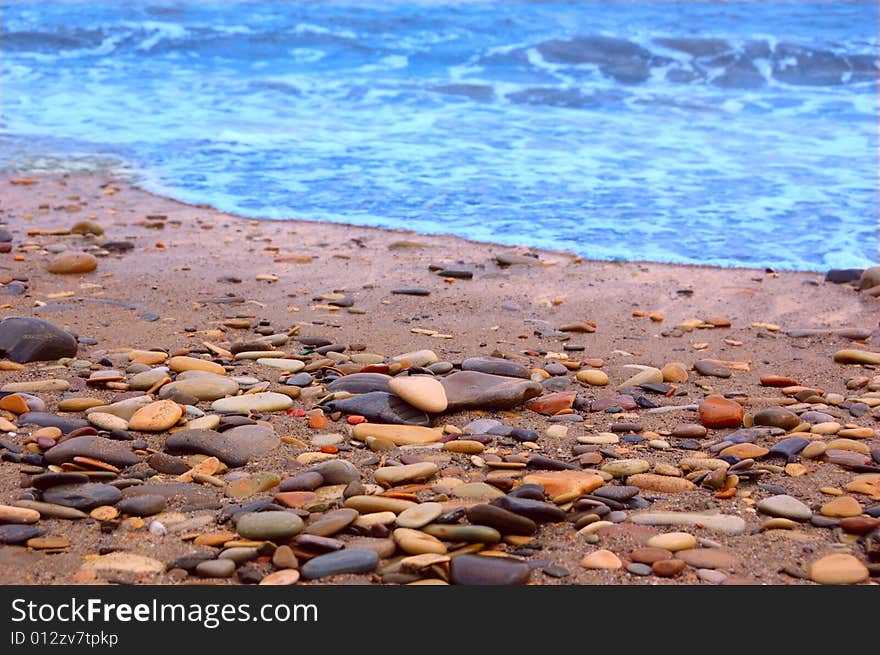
673, 541
785, 506
496, 366
381, 407
215, 568
82, 496
639, 569
838, 569
725, 523
400, 435
266, 401
207, 387
268, 525
719, 412
16, 533
416, 542
9, 514
282, 577
348, 560
72, 264
624, 467
668, 568
484, 570
120, 563
566, 483
707, 558
650, 554
601, 559
661, 483
421, 391
712, 368
419, 515
336, 471
182, 363
146, 505
117, 453
850, 356
593, 377
156, 417
52, 511
841, 507
476, 390
332, 522
777, 417
369, 504
504, 521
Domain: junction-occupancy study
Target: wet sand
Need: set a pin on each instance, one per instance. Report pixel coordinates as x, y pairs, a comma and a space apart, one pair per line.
163, 293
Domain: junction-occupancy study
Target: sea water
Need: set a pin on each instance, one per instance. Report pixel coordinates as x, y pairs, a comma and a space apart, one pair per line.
726, 133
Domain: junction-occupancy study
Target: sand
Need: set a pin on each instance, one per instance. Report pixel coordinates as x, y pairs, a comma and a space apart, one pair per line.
182, 254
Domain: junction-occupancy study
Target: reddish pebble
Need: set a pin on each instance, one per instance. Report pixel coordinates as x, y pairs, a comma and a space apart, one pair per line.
553, 403
719, 412
777, 381
329, 449
859, 524
355, 420
668, 568
299, 413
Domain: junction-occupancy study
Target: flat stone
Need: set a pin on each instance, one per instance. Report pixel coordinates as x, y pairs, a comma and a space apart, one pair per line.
251, 485
281, 577
673, 541
419, 515
332, 522
668, 568
400, 435
536, 510
252, 441
777, 417
647, 375
146, 505
745, 451
51, 510
104, 421
593, 377
117, 453
10, 514
838, 569
423, 392
785, 506
725, 523
477, 491
122, 563
841, 507
420, 358
361, 383
475, 390
18, 533
483, 570
650, 554
156, 417
206, 387
37, 385
78, 404
662, 483
207, 442
689, 431
83, 496
368, 504
851, 356
674, 372
553, 403
601, 559
416, 542
24, 339
337, 471
707, 558
496, 366
504, 521
305, 481
712, 368
719, 412
266, 401
394, 475
381, 407
181, 363
623, 467
123, 409
268, 525
215, 568
789, 448
469, 533
561, 484
348, 560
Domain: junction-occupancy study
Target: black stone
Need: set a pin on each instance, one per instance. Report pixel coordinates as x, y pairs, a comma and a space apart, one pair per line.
64, 423
16, 533
24, 339
536, 510
46, 480
361, 383
504, 521
843, 275
533, 491
788, 448
381, 407
523, 434
167, 464
411, 291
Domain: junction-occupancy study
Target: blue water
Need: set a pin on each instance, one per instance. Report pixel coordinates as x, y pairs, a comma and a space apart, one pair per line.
737, 134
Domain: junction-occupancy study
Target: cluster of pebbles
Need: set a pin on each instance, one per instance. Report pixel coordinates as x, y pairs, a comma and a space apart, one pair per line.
285, 458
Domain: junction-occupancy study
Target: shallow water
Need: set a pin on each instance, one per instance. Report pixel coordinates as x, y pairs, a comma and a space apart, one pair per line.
737, 134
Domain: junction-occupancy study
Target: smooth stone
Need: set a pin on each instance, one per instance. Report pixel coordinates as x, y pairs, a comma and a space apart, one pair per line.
712, 369
504, 521
38, 385
73, 264
647, 375
593, 377
725, 523
394, 475
673, 541
124, 564
10, 514
78, 404
536, 510
381, 407
719, 412
475, 390
639, 569
423, 392
216, 568
650, 554
869, 278
182, 363
400, 435
561, 484
332, 522
207, 387
744, 451
52, 511
785, 506
123, 409
788, 448
668, 568
623, 467
690, 431
83, 496
266, 401
17, 533
850, 356
286, 365
305, 481
361, 383
707, 558
282, 577
619, 493
370, 504
601, 560
468, 533
348, 560
496, 366
841, 507
674, 372
419, 515
777, 417
146, 505
477, 491
416, 542
838, 569
117, 453
337, 471
419, 358
207, 442
484, 570
24, 339
251, 485
156, 417
268, 525
104, 421
550, 404
253, 440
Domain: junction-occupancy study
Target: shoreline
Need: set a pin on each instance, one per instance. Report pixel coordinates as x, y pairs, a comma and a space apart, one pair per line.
170, 289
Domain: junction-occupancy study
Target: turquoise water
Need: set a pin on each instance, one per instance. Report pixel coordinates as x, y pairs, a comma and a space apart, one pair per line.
736, 134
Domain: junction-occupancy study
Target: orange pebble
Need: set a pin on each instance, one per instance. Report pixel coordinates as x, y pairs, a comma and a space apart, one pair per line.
318, 421
355, 420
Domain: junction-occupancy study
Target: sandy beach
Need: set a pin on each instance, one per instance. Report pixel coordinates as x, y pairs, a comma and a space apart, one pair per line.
193, 283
